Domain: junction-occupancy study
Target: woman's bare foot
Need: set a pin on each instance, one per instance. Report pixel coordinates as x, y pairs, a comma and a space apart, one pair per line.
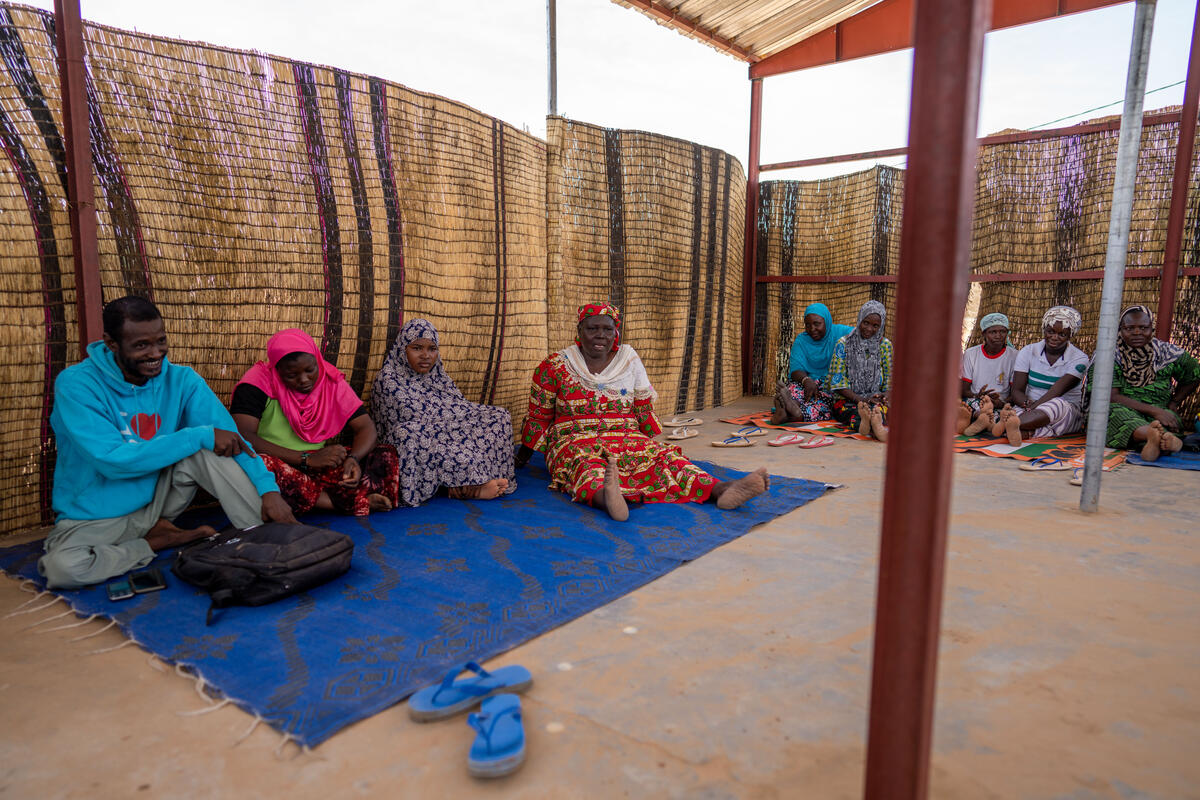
1012, 428
982, 419
1153, 446
962, 418
1171, 443
780, 414
864, 418
999, 428
878, 429
165, 534
377, 502
610, 497
731, 494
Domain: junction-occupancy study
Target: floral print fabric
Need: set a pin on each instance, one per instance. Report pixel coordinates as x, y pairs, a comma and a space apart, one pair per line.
575, 424
443, 439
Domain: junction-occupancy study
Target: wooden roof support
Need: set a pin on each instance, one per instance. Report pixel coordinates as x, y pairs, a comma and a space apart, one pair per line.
692, 28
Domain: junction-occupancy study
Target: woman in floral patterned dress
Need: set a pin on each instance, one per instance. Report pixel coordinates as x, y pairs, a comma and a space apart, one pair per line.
443, 438
591, 411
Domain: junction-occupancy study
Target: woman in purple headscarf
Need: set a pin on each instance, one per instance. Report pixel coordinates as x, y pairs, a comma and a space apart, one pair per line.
443, 438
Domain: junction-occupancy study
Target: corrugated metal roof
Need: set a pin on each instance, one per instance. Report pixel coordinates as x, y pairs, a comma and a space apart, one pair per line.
749, 29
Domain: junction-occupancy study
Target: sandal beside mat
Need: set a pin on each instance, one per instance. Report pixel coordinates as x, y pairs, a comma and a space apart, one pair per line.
1046, 463
786, 439
734, 441
452, 697
676, 422
683, 433
499, 746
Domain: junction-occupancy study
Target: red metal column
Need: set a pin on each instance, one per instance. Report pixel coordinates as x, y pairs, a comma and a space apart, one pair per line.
751, 230
81, 200
1179, 191
935, 241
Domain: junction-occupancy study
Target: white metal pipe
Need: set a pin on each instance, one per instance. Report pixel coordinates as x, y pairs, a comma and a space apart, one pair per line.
551, 58
1124, 179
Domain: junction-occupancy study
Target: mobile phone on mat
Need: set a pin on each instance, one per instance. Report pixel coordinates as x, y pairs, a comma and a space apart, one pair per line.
120, 589
148, 580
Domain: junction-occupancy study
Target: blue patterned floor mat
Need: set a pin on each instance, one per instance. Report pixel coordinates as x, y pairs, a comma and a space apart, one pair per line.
428, 588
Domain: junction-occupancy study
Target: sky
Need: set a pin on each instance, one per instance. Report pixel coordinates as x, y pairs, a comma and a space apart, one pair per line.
618, 68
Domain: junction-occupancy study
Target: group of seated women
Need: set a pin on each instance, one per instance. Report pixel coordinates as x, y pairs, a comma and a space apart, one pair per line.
1041, 390
590, 411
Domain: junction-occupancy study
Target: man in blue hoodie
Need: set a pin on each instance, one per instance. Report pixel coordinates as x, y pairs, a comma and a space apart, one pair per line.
136, 436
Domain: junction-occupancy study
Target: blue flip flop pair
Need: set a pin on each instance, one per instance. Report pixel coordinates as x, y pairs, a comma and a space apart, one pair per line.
499, 746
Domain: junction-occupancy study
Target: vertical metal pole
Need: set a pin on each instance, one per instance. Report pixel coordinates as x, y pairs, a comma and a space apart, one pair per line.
81, 200
1179, 190
751, 243
552, 58
1128, 144
935, 243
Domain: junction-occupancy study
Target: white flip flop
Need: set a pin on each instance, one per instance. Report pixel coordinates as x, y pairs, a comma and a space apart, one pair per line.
676, 422
683, 433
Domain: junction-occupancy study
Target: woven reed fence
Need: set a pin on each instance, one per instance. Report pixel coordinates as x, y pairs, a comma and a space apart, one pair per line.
654, 225
1041, 206
245, 193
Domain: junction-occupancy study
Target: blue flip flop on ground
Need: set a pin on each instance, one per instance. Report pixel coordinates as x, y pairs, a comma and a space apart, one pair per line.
452, 696
499, 746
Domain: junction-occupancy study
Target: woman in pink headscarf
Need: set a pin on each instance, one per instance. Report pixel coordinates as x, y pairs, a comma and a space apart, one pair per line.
295, 409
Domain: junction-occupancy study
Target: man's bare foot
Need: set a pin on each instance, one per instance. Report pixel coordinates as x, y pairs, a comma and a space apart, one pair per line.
864, 418
962, 418
731, 494
1000, 427
1012, 428
166, 534
878, 429
610, 497
377, 502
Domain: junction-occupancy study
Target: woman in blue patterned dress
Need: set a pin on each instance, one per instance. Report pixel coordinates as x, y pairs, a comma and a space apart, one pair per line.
443, 439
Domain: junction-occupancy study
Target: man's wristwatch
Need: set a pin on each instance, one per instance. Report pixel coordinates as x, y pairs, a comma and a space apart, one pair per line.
304, 461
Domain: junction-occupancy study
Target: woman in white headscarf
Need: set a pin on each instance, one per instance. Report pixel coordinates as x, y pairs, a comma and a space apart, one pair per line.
987, 371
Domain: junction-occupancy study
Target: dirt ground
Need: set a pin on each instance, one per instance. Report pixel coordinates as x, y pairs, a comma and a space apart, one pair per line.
1068, 666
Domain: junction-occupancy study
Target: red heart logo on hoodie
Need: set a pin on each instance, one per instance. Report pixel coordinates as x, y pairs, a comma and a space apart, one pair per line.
146, 425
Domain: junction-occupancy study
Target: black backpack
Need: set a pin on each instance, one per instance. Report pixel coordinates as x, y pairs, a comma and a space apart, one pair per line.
260, 565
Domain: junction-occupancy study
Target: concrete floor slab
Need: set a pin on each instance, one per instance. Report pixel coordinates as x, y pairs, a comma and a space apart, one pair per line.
1067, 668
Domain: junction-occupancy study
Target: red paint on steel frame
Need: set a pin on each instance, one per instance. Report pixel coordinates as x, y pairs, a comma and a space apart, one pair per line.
751, 243
988, 277
887, 26
1166, 118
935, 244
81, 200
1179, 190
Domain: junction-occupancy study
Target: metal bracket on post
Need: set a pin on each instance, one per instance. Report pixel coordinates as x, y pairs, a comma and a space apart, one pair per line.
1128, 145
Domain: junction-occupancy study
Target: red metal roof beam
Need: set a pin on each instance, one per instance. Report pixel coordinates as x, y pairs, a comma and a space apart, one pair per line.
888, 26
680, 22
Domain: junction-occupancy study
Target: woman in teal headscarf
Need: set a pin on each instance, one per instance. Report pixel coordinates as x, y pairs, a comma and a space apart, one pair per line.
805, 397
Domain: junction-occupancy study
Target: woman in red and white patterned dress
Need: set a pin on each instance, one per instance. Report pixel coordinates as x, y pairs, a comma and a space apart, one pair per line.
591, 411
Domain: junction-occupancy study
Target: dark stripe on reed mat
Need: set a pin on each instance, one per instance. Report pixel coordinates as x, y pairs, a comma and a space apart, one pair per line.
331, 242
12, 50
1068, 215
391, 202
710, 279
787, 261
38, 203
491, 374
689, 336
122, 212
758, 345
616, 217
881, 245
719, 356
362, 219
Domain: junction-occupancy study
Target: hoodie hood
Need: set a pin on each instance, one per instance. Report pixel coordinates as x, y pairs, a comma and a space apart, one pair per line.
105, 365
